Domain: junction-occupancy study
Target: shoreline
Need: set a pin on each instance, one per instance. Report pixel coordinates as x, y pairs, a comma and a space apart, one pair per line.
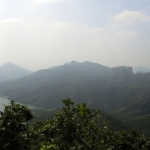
29, 106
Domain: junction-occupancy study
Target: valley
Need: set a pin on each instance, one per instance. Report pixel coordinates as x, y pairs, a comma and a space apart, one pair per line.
127, 99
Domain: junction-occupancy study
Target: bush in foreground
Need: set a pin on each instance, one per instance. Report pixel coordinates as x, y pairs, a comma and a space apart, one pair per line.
73, 128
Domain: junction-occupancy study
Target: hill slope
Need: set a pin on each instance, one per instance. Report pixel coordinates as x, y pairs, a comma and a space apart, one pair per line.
47, 87
126, 98
104, 119
11, 71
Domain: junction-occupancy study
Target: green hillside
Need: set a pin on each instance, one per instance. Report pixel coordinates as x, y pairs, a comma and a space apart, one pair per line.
126, 98
104, 119
73, 127
45, 88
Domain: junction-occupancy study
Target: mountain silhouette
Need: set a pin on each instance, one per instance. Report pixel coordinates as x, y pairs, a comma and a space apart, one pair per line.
10, 71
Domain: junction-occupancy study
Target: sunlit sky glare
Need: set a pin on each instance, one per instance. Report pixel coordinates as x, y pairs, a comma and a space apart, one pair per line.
38, 34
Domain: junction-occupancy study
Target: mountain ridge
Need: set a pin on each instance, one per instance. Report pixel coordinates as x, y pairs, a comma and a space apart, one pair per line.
10, 71
141, 69
125, 98
47, 81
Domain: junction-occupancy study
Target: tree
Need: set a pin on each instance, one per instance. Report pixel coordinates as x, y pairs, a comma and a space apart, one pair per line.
14, 131
72, 128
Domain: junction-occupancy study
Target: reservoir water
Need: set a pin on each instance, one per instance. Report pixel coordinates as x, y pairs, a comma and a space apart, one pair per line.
5, 101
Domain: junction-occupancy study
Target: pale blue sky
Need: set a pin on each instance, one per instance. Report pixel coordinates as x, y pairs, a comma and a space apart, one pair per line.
37, 34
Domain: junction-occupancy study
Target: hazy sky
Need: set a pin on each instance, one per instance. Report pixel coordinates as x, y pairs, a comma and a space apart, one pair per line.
37, 34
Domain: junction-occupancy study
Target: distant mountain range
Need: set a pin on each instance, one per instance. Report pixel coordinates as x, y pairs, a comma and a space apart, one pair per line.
10, 71
45, 88
140, 70
125, 98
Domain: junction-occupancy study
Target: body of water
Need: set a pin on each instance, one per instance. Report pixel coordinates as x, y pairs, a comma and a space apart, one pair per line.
5, 101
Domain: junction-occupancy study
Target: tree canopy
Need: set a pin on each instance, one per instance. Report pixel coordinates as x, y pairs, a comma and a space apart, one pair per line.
72, 128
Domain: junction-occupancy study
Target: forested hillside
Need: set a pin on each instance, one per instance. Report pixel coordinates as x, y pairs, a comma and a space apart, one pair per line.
46, 87
103, 119
125, 98
74, 127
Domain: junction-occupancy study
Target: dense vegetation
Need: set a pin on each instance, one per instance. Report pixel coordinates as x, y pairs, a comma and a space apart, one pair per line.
103, 119
128, 99
73, 128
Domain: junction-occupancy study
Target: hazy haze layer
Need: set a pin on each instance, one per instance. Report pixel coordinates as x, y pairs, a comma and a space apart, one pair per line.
37, 34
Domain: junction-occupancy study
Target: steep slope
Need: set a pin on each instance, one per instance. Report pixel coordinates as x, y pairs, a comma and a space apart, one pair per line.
11, 71
47, 87
129, 100
126, 98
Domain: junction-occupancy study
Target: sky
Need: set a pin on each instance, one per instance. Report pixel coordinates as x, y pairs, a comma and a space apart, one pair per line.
38, 34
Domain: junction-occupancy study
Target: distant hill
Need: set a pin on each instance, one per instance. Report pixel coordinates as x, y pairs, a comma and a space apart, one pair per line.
10, 71
45, 88
140, 70
129, 100
126, 98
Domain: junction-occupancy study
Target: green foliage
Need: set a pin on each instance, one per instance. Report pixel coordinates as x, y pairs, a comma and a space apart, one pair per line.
73, 128
125, 98
14, 133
